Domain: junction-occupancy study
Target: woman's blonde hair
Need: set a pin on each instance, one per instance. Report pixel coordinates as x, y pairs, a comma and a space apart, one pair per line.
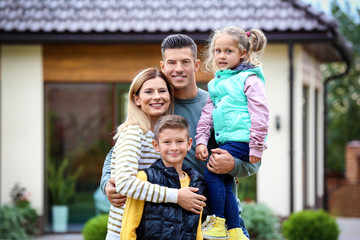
253, 41
135, 116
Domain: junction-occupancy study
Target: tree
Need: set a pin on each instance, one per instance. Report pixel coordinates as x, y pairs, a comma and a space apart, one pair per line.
343, 99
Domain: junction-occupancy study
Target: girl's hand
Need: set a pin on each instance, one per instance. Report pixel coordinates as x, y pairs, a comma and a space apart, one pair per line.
201, 152
254, 159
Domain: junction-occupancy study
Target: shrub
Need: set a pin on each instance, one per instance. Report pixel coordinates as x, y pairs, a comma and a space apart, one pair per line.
11, 220
260, 221
96, 228
30, 217
309, 224
20, 220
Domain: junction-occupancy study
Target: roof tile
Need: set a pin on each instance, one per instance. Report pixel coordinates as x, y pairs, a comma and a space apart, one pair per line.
159, 15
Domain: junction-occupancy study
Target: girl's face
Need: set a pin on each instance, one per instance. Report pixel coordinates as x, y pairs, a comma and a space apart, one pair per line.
153, 98
227, 53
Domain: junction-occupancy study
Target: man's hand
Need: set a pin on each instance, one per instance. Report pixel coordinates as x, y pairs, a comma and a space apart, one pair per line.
116, 199
189, 200
221, 161
254, 159
201, 152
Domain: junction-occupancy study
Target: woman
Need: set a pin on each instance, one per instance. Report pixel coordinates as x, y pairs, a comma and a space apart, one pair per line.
150, 97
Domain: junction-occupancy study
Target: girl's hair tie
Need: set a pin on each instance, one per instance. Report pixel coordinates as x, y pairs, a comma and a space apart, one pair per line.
248, 34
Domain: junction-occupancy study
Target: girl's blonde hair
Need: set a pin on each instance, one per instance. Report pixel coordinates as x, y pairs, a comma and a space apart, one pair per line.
135, 116
253, 41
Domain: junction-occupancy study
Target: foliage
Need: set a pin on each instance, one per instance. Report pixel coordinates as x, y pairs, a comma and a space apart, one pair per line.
20, 220
343, 99
96, 227
11, 223
23, 207
30, 217
60, 183
17, 193
260, 221
309, 225
247, 188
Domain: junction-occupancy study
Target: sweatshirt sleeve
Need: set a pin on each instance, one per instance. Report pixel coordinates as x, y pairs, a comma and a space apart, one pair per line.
127, 155
205, 123
244, 169
106, 171
259, 114
132, 214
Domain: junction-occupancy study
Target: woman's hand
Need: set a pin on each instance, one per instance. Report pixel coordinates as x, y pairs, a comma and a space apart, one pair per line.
189, 200
116, 199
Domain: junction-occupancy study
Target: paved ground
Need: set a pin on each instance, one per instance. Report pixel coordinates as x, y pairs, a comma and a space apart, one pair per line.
350, 230
68, 236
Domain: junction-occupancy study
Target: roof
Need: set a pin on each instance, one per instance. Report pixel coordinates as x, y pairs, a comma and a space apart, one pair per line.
158, 15
119, 21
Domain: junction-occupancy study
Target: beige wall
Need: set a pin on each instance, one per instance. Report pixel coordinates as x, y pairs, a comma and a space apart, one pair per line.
273, 177
273, 186
22, 130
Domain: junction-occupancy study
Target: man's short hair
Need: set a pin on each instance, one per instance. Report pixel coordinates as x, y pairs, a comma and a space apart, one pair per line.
172, 122
178, 41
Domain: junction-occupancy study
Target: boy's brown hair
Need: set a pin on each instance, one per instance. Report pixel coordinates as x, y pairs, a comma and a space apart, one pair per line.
170, 121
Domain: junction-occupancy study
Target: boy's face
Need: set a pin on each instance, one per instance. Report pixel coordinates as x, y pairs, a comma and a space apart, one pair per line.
173, 144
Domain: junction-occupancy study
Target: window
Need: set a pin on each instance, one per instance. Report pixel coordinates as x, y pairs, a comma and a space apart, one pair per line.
80, 121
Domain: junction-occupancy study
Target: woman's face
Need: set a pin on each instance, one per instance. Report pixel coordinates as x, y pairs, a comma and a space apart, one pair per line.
153, 98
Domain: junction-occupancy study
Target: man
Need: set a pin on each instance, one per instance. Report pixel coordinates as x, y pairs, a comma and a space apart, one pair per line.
180, 63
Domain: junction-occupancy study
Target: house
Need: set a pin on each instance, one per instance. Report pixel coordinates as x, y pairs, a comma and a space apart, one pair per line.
66, 66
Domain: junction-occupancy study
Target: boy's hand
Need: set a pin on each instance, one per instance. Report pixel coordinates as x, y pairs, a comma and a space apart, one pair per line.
201, 152
254, 159
116, 199
190, 201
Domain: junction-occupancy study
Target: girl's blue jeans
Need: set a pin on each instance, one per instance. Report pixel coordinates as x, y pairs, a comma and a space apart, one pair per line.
222, 200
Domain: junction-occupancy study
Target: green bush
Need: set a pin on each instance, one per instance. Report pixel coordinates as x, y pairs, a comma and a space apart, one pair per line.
12, 221
260, 221
309, 224
30, 217
96, 227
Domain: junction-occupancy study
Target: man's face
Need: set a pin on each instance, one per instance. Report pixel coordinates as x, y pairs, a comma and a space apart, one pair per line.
180, 67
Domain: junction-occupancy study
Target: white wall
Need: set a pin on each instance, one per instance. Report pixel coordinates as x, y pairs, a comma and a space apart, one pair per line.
273, 187
22, 130
273, 178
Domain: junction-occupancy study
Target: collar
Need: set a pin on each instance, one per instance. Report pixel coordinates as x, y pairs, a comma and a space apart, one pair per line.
244, 66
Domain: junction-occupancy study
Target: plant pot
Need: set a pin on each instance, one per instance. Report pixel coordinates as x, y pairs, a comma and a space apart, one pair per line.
60, 218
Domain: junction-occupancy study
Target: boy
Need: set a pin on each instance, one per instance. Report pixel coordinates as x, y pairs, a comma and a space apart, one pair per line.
146, 220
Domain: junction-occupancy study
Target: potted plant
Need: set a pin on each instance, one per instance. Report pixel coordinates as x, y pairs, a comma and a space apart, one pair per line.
61, 185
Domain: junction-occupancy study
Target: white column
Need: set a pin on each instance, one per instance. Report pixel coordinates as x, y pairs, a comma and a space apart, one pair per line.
320, 153
298, 129
22, 122
311, 139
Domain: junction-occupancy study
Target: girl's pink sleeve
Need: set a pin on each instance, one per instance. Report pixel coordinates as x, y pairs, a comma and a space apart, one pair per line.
259, 114
205, 124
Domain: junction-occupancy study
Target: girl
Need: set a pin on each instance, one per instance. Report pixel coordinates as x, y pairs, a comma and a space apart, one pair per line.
150, 97
237, 109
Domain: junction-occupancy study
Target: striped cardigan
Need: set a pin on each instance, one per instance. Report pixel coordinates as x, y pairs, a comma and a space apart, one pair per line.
134, 151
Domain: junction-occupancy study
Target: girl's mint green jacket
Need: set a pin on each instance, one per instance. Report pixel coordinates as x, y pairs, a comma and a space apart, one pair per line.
230, 114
